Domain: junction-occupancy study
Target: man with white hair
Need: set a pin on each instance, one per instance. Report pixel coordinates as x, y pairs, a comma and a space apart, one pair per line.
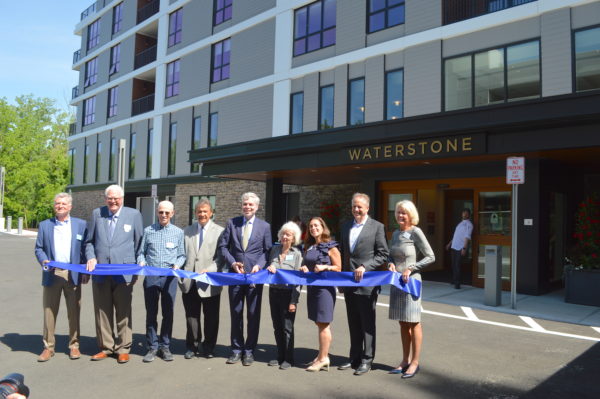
114, 237
162, 246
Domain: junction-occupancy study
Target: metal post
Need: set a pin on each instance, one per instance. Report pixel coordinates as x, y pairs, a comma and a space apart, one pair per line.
513, 259
8, 224
121, 163
2, 173
20, 226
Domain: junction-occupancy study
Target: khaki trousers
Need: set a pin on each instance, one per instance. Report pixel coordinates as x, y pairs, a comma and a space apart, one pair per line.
113, 301
51, 303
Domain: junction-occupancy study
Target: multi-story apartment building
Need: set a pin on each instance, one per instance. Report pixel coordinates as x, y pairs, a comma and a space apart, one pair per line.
309, 101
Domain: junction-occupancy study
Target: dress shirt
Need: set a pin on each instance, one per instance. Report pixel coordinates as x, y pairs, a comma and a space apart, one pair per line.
355, 232
463, 230
62, 241
162, 246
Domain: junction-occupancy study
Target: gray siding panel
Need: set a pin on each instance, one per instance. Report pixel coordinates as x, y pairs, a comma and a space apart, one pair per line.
123, 101
394, 61
104, 138
387, 34
184, 139
141, 133
341, 96
127, 57
586, 15
195, 74
129, 16
350, 26
310, 121
253, 52
374, 89
78, 146
423, 79
196, 23
422, 15
314, 56
556, 45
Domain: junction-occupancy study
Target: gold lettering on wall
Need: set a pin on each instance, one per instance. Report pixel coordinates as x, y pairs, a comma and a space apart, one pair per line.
436, 146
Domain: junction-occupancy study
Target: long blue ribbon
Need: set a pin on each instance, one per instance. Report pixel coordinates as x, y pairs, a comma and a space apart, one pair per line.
329, 279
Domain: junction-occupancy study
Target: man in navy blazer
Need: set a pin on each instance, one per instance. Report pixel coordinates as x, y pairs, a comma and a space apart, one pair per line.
61, 239
115, 235
245, 245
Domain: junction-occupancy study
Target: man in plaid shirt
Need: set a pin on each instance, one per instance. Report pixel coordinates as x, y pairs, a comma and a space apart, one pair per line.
162, 246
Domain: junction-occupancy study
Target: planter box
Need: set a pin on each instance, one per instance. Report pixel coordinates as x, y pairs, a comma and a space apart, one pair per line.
582, 287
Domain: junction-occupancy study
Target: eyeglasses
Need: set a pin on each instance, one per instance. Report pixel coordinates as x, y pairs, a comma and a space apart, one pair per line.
164, 212
113, 198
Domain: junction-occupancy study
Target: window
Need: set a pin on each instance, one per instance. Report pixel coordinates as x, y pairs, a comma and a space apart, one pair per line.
115, 59
194, 200
149, 153
222, 11
89, 111
173, 79
113, 97
394, 94
314, 26
326, 107
196, 136
175, 27
71, 165
493, 76
86, 160
98, 161
93, 34
172, 148
587, 59
213, 128
117, 18
113, 158
132, 148
91, 72
385, 14
356, 102
220, 60
297, 110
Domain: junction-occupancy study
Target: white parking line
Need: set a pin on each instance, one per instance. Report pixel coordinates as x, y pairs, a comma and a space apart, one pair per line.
597, 329
532, 323
469, 313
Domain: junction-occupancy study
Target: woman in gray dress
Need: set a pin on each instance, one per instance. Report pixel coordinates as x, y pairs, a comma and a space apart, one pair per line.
404, 307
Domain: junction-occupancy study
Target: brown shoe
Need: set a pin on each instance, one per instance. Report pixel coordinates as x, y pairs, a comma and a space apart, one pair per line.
45, 355
99, 356
123, 358
74, 354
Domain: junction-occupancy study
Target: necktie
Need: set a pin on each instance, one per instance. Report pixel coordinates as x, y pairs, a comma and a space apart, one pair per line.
111, 226
246, 235
200, 237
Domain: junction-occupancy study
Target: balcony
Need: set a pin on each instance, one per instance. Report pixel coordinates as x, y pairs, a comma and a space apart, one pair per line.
74, 92
145, 57
88, 11
460, 10
146, 9
76, 56
141, 105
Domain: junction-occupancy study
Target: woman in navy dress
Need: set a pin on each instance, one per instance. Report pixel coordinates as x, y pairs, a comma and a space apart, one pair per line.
321, 254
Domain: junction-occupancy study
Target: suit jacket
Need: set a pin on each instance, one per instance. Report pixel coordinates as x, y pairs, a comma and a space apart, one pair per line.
370, 251
259, 244
44, 246
124, 246
206, 258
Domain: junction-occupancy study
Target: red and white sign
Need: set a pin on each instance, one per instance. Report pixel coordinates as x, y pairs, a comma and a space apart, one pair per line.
515, 170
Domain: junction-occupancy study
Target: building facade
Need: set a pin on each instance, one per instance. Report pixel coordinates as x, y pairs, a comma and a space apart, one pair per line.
306, 102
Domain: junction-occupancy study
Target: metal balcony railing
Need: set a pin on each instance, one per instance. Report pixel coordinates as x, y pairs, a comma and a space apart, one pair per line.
460, 10
88, 11
141, 105
74, 92
76, 56
145, 57
147, 11
72, 129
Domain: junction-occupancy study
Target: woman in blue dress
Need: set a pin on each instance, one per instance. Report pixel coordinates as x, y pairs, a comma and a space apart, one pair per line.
321, 254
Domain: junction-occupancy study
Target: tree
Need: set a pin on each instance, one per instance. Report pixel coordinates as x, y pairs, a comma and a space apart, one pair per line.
33, 149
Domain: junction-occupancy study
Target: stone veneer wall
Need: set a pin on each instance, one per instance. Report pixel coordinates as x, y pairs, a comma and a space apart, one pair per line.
84, 202
311, 198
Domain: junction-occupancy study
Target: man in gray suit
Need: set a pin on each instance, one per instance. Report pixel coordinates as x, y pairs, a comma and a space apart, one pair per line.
115, 235
364, 249
201, 247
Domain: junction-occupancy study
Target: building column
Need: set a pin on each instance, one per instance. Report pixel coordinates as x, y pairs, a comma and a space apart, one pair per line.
275, 205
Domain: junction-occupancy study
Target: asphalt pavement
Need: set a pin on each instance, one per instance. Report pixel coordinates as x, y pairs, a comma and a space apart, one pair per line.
469, 350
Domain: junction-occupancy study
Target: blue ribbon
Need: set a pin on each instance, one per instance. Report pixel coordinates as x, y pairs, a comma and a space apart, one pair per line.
328, 279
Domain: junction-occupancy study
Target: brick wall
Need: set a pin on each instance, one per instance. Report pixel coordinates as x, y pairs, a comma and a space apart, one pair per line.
84, 202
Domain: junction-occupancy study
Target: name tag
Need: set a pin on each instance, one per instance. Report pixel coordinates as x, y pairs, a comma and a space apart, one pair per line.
289, 257
127, 228
170, 245
406, 235
79, 237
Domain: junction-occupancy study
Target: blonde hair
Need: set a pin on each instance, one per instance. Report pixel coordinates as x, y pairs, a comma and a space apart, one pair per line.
411, 209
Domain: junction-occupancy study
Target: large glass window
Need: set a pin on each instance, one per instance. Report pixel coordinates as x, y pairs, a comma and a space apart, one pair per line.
587, 59
93, 34
523, 71
326, 107
172, 148
112, 162
132, 149
86, 160
220, 60
394, 94
89, 111
71, 165
385, 14
98, 161
117, 18
115, 59
314, 26
91, 72
175, 27
196, 141
213, 128
495, 213
297, 111
223, 11
194, 200
113, 97
172, 79
489, 77
356, 101
149, 153
457, 83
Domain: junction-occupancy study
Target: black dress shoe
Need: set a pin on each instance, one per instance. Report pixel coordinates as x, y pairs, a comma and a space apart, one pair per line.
234, 358
285, 365
346, 366
209, 355
188, 355
362, 369
407, 375
247, 360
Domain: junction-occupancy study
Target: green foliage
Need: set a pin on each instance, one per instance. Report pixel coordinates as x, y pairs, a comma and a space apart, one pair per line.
587, 234
33, 150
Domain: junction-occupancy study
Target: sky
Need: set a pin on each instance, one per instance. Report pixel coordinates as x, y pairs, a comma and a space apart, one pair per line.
36, 48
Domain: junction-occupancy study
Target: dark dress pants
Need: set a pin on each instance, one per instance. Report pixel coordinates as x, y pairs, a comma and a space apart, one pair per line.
455, 258
238, 294
165, 289
193, 305
361, 323
283, 323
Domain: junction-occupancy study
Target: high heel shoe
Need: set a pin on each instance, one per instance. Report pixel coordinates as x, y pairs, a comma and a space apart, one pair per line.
411, 375
318, 366
399, 370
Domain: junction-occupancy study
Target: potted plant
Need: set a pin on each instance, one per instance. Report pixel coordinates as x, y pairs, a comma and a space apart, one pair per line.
582, 274
331, 211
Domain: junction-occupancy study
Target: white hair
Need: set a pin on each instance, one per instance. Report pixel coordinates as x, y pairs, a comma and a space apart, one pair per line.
66, 196
251, 197
294, 229
364, 197
115, 188
166, 204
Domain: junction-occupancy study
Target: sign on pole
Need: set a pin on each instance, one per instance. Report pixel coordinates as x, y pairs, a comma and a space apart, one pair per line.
515, 175
515, 170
